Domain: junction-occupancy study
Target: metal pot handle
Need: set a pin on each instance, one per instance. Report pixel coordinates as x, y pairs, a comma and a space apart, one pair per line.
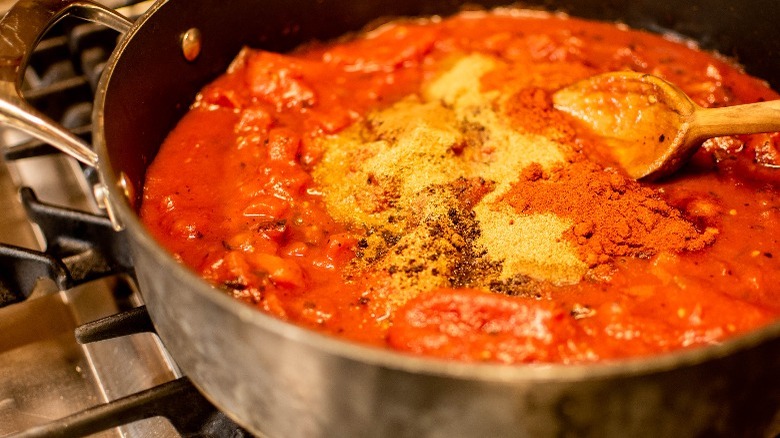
20, 30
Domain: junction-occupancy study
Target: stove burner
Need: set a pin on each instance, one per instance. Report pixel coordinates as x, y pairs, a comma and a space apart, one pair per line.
81, 250
82, 247
79, 247
178, 400
86, 243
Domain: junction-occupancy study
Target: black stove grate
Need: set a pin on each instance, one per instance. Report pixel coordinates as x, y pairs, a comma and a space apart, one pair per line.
60, 81
80, 247
130, 322
86, 243
178, 401
23, 269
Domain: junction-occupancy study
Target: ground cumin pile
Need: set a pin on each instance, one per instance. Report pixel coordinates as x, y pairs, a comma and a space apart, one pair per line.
464, 187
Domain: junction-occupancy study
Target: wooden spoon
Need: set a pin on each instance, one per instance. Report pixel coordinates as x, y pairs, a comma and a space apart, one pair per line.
653, 127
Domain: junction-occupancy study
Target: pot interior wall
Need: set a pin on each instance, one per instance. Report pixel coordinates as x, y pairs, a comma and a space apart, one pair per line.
153, 85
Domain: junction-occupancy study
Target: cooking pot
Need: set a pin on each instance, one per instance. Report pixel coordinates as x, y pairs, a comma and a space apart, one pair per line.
277, 379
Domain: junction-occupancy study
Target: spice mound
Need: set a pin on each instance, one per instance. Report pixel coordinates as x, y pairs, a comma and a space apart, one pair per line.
476, 193
414, 187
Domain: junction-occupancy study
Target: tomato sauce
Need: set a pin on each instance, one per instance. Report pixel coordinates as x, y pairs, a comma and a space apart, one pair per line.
235, 194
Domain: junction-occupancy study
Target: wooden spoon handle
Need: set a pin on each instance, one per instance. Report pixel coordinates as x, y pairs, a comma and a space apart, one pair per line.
738, 119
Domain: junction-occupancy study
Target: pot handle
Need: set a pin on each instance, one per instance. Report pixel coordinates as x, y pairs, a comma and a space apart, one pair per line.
20, 30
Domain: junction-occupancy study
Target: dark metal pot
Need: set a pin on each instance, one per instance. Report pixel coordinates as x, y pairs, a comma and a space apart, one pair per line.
277, 379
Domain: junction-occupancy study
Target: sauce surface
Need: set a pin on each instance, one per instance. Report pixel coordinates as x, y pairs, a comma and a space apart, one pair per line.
413, 187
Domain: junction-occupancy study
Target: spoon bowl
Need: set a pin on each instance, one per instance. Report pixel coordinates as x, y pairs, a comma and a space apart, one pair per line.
652, 127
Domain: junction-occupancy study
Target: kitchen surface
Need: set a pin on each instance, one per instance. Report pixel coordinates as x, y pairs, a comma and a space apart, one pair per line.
45, 374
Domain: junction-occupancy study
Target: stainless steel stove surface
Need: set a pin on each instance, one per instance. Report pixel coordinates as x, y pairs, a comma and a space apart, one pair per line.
45, 374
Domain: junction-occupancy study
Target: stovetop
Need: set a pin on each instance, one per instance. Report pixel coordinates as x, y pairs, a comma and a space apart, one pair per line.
63, 370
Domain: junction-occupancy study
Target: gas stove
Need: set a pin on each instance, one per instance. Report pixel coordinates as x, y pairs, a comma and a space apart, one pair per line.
78, 353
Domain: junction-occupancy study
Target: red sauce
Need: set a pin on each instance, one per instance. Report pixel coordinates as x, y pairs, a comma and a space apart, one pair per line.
232, 196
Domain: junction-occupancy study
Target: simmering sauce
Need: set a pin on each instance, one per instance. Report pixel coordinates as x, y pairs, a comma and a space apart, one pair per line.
413, 187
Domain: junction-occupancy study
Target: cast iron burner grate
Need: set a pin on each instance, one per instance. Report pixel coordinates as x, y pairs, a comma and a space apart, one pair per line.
81, 247
60, 81
178, 400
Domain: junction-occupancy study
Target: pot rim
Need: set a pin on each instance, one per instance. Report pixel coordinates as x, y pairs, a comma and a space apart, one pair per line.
383, 357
